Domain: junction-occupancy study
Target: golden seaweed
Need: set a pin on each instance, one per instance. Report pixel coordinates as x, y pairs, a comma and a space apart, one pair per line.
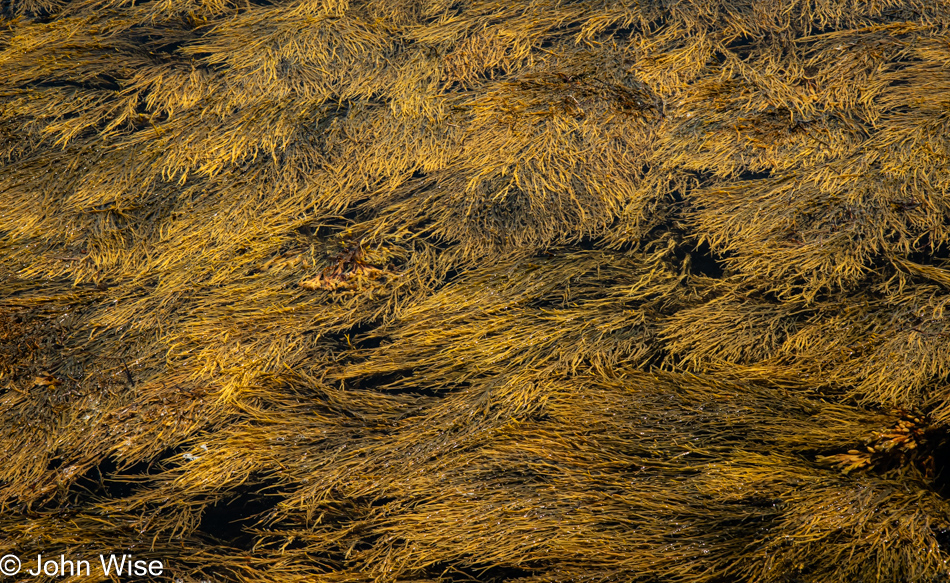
443, 291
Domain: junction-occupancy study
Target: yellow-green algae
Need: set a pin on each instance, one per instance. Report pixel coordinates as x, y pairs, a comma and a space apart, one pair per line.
432, 290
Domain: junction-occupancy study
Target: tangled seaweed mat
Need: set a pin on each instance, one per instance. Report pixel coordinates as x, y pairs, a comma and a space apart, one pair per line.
432, 290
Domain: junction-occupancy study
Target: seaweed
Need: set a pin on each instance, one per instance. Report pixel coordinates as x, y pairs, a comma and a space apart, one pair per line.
431, 290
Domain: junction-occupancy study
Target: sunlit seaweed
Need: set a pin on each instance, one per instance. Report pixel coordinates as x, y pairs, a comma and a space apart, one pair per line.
426, 290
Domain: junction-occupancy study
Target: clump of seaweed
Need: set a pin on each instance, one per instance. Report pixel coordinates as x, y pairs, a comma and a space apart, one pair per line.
894, 447
348, 270
443, 291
